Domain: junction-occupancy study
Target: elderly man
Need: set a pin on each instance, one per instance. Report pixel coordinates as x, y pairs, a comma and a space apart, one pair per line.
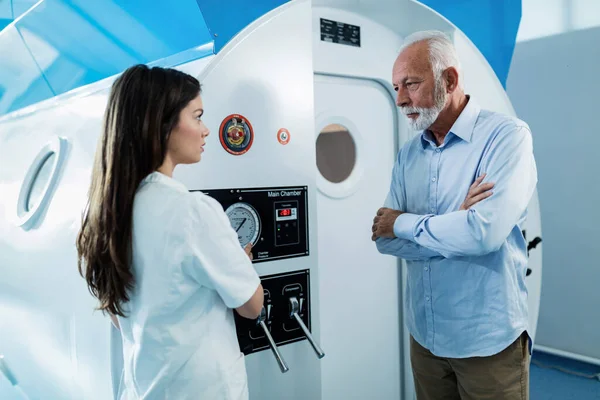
466, 299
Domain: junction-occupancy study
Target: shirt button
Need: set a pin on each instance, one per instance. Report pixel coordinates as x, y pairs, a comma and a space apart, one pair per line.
433, 179
426, 268
427, 298
432, 209
437, 150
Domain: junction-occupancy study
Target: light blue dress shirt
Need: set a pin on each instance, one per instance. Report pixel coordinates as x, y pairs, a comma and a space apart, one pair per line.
466, 293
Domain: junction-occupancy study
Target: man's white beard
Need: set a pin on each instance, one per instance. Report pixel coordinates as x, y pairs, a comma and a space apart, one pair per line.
427, 116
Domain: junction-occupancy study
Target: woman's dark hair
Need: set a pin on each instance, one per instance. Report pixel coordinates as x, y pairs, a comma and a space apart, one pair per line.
143, 108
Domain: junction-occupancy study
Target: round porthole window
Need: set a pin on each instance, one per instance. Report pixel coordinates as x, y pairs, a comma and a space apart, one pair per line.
42, 176
338, 153
40, 181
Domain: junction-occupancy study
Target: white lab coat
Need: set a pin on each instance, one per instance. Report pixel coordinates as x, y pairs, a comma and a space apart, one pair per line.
179, 339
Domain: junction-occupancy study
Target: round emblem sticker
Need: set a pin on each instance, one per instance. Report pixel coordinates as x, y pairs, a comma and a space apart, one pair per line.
236, 134
283, 136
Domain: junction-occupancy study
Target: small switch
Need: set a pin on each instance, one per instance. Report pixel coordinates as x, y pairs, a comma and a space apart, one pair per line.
269, 306
301, 304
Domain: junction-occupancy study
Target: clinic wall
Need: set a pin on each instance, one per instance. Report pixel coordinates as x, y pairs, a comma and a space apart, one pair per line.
553, 87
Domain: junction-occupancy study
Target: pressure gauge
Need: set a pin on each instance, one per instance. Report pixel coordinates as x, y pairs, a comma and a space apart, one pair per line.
245, 221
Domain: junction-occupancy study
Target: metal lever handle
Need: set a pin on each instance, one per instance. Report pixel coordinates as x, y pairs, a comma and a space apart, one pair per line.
294, 313
261, 321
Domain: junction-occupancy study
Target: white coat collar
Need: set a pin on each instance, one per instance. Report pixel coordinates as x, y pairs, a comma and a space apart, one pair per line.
158, 177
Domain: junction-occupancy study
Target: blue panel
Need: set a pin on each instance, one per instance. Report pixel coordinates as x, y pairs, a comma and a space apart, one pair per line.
4, 22
226, 18
37, 91
491, 25
21, 7
73, 43
6, 14
95, 40
6, 10
19, 74
180, 58
78, 42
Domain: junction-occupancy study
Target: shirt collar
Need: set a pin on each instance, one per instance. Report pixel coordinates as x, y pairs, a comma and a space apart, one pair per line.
463, 126
158, 177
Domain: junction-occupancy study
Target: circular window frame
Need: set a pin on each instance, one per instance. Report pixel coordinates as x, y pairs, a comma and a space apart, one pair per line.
58, 147
350, 185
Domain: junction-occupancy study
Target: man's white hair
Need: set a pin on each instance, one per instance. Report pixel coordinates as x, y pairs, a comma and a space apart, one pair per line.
442, 53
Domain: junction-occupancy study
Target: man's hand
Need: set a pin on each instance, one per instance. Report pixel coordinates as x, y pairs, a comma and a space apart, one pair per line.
477, 192
248, 250
383, 223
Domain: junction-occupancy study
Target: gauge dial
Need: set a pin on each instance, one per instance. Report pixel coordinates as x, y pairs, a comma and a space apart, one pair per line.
245, 221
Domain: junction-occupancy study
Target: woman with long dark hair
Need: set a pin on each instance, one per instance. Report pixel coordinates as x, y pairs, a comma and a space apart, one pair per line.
163, 262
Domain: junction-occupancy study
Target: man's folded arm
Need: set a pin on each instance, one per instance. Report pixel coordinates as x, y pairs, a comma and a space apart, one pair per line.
482, 229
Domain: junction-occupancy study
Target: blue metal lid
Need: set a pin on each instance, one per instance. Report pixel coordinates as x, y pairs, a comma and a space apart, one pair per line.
60, 45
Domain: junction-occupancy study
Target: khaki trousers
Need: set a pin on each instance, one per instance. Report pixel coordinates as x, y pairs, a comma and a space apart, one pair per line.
502, 376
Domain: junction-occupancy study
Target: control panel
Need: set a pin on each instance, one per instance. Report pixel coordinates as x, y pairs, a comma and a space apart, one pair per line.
274, 220
285, 317
284, 329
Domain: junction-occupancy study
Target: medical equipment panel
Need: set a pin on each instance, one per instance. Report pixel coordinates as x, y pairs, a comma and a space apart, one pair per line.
274, 220
285, 317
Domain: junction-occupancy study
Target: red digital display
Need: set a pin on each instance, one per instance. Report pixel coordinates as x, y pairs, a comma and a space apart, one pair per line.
286, 212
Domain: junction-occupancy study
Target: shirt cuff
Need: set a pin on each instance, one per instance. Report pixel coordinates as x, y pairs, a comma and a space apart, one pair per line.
404, 226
